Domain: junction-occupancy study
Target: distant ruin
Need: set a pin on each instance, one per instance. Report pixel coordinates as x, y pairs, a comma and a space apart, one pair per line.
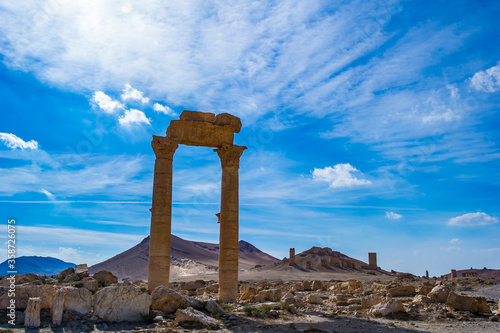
372, 260
292, 257
197, 129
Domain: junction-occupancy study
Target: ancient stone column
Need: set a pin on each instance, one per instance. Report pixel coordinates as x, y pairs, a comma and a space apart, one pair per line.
161, 213
57, 308
32, 314
291, 261
229, 220
372, 260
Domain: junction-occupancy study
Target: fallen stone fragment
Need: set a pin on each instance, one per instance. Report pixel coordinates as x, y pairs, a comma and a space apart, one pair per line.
422, 299
118, 303
439, 293
468, 303
191, 315
214, 307
168, 300
386, 308
401, 291
313, 299
57, 308
249, 292
32, 315
370, 300
78, 300
91, 284
424, 290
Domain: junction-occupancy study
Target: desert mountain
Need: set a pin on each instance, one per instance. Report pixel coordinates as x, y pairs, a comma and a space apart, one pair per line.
37, 265
188, 258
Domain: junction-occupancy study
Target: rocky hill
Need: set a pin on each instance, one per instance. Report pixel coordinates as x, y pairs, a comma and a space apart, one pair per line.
38, 265
188, 258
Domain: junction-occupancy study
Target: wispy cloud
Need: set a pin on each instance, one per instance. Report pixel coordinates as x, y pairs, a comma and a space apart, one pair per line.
133, 116
106, 103
393, 216
163, 109
133, 94
341, 175
472, 220
13, 141
456, 241
47, 193
488, 80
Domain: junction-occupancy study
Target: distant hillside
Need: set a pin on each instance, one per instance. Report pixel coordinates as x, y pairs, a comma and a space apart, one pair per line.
318, 259
38, 265
188, 258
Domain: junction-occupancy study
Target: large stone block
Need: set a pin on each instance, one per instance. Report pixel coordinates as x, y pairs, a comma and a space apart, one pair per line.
468, 303
204, 117
401, 291
45, 292
439, 293
121, 303
78, 300
226, 119
168, 300
195, 133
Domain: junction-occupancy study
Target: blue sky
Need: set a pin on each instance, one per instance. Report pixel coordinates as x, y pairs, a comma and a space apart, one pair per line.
371, 126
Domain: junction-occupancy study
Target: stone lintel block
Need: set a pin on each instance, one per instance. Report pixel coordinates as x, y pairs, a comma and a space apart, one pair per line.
195, 133
204, 117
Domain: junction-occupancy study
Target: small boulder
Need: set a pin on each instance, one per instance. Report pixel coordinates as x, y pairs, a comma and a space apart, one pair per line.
66, 272
30, 277
306, 285
387, 308
193, 285
91, 284
376, 287
118, 303
401, 291
422, 299
316, 285
370, 300
439, 293
168, 300
214, 307
105, 278
313, 299
193, 316
468, 303
250, 291
424, 290
271, 295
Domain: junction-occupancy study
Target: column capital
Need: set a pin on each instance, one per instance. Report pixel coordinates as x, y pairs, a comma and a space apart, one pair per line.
230, 155
163, 147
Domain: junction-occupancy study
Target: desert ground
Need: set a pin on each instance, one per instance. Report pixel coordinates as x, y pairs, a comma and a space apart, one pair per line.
291, 300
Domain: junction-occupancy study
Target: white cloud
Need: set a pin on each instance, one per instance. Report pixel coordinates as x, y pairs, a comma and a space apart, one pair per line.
133, 116
488, 80
393, 216
47, 193
133, 94
341, 175
106, 103
472, 219
455, 241
13, 141
163, 109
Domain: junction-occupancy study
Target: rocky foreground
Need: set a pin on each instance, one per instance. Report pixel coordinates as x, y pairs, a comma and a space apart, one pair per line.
80, 303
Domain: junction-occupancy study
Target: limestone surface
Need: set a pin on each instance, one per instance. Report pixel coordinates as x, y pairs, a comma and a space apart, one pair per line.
168, 300
118, 303
78, 300
32, 315
191, 315
57, 308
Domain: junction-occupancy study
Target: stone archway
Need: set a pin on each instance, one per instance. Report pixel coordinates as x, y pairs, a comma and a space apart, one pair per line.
197, 129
